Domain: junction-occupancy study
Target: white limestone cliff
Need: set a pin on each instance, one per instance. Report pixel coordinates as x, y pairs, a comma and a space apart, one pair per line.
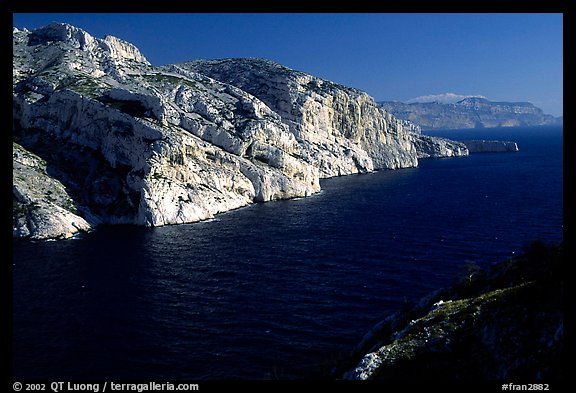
340, 130
134, 143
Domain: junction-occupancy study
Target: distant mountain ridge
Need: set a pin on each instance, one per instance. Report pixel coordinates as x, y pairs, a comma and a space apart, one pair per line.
473, 112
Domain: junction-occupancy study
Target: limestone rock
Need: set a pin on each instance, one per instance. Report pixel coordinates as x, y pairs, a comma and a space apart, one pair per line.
42, 207
435, 147
138, 144
340, 130
121, 49
483, 146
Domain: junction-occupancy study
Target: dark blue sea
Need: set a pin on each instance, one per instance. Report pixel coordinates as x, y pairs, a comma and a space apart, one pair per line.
277, 290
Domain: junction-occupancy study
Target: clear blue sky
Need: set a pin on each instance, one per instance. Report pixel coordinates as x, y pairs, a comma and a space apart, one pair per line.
505, 57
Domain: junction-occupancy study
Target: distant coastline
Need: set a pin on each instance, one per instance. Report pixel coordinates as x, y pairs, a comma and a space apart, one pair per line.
474, 112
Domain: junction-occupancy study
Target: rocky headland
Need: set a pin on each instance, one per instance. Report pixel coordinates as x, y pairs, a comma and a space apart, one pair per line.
102, 136
483, 146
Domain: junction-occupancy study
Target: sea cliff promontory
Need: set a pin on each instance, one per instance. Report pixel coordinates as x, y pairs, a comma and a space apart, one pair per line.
118, 140
484, 146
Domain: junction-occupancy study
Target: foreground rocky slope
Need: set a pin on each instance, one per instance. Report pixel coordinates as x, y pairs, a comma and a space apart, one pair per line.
503, 323
470, 113
122, 141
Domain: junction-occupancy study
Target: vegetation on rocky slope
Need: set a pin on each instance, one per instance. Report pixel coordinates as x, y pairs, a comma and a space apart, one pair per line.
502, 323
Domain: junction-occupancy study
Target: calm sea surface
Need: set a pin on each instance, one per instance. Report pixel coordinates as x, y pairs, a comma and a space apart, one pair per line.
276, 289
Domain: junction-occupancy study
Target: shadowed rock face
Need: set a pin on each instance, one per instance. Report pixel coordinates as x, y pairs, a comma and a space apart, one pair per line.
42, 206
132, 143
504, 323
483, 146
470, 113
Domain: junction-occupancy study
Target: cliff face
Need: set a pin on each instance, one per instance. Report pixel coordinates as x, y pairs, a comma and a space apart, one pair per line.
42, 206
435, 147
470, 113
483, 146
132, 143
340, 130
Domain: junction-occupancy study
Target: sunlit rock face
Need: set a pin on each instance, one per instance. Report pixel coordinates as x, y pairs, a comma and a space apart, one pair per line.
122, 141
340, 130
434, 147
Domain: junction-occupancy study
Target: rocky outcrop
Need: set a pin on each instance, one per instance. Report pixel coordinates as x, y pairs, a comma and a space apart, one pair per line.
133, 143
434, 147
471, 112
339, 130
483, 146
42, 207
409, 126
502, 323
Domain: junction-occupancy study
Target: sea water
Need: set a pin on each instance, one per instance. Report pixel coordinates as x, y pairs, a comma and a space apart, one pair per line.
277, 290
